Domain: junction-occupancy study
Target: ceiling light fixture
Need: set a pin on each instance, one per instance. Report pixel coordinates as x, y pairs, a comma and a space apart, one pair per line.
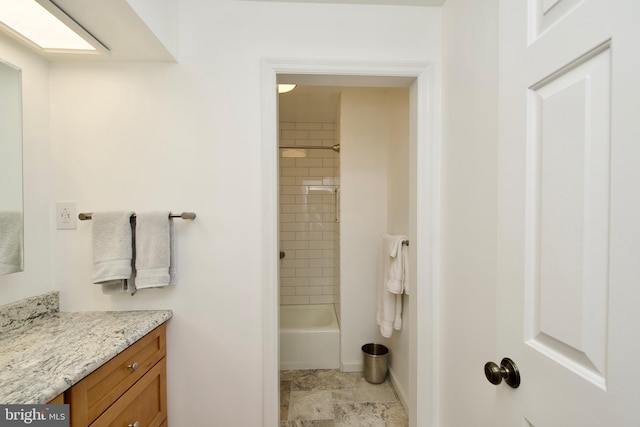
284, 88
44, 26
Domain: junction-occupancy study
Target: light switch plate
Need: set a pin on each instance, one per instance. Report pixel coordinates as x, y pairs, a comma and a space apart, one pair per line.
66, 215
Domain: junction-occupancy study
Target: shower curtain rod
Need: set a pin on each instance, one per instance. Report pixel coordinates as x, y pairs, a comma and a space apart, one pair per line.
335, 147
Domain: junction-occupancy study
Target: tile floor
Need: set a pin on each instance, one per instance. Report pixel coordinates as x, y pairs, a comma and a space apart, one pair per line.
330, 398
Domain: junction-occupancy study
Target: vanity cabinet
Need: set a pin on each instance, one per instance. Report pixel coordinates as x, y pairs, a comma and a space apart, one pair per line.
129, 390
58, 400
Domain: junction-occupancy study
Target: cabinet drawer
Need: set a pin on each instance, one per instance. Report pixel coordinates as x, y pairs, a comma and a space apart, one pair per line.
94, 394
144, 403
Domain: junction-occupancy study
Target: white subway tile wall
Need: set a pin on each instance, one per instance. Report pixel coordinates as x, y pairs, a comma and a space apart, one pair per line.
308, 227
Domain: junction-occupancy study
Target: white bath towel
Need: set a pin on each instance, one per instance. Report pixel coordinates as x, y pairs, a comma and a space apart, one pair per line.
10, 242
390, 287
398, 269
112, 244
153, 250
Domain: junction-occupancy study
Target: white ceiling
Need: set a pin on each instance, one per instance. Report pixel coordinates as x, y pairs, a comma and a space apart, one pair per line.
309, 104
314, 103
117, 24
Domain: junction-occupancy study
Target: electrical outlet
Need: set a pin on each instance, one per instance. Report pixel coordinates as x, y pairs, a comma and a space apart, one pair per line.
66, 215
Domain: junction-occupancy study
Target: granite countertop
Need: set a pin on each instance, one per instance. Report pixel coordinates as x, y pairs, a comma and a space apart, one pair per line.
43, 352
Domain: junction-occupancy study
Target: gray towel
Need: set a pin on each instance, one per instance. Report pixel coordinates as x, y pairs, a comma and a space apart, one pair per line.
153, 249
10, 242
112, 241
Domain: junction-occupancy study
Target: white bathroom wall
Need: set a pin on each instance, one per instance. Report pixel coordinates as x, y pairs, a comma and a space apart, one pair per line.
374, 133
364, 130
398, 203
187, 136
469, 212
37, 275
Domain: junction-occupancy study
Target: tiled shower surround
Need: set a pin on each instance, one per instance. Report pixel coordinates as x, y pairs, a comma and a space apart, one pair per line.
308, 273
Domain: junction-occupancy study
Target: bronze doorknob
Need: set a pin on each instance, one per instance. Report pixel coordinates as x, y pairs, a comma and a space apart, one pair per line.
507, 370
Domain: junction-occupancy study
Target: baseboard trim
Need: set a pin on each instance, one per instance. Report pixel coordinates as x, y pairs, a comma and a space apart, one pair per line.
402, 394
352, 367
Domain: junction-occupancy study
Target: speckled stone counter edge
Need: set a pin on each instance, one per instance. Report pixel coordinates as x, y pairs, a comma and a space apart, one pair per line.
16, 314
47, 351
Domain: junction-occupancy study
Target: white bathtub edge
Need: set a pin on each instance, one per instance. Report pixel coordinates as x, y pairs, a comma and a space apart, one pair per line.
312, 345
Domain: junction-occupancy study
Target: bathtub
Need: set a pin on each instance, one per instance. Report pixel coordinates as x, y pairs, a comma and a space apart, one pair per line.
309, 337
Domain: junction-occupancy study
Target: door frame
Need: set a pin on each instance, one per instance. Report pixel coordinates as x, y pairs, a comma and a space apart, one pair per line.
425, 139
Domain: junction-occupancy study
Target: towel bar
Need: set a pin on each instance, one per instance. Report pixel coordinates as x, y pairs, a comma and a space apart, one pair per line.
82, 216
405, 243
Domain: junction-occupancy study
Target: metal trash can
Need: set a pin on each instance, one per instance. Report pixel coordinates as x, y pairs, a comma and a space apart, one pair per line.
375, 362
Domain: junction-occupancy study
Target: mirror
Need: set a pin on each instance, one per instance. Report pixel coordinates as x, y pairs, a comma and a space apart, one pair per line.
11, 204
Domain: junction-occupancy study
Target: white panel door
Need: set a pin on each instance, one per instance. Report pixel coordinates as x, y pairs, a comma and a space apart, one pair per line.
569, 212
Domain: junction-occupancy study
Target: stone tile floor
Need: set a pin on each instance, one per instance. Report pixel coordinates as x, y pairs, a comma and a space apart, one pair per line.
330, 398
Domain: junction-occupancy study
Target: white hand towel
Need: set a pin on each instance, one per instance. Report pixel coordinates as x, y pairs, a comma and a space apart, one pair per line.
112, 243
393, 277
398, 268
389, 310
10, 242
153, 250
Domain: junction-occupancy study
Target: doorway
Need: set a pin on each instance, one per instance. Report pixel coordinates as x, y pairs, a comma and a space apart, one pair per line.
344, 181
423, 219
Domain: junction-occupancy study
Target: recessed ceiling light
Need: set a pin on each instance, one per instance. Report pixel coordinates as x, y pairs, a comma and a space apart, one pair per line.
284, 88
30, 20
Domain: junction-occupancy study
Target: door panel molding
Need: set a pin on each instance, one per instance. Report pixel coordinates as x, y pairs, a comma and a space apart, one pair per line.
567, 215
545, 14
